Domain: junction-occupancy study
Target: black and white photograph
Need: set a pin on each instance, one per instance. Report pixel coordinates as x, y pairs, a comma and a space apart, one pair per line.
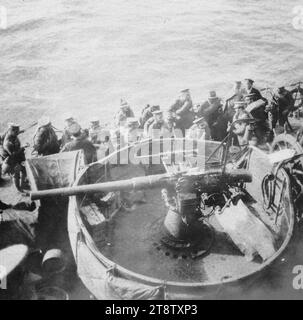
151, 150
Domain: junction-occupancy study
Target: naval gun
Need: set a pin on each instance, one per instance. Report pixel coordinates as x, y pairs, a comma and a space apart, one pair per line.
193, 181
184, 194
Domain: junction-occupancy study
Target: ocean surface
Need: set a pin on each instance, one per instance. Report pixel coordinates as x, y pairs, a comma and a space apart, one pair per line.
83, 56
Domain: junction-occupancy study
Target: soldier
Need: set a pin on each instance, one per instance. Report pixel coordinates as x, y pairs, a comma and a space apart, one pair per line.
258, 112
13, 155
285, 103
147, 114
243, 128
182, 110
236, 94
80, 142
239, 107
256, 109
249, 89
124, 112
94, 131
297, 94
66, 136
239, 111
132, 133
196, 110
199, 130
45, 139
155, 127
150, 120
212, 111
170, 130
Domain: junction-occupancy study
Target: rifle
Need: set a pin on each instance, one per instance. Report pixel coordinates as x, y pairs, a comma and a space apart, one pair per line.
29, 127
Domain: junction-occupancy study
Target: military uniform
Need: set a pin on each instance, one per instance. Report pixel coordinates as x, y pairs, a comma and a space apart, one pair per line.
81, 143
169, 130
66, 135
12, 151
45, 140
182, 109
156, 127
212, 111
242, 128
236, 94
253, 91
147, 114
239, 107
262, 129
259, 112
131, 133
124, 112
94, 132
257, 94
285, 103
13, 155
199, 130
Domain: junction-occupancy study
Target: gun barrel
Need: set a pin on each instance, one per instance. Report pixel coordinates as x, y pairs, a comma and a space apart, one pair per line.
140, 183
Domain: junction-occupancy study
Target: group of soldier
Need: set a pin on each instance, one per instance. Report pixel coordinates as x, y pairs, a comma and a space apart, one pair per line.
45, 142
245, 113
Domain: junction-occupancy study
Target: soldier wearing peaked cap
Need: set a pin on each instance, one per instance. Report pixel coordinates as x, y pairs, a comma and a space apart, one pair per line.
132, 133
13, 155
124, 112
243, 128
94, 131
209, 108
257, 108
159, 127
237, 91
182, 110
155, 122
169, 129
45, 139
66, 136
212, 111
236, 94
250, 89
199, 130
